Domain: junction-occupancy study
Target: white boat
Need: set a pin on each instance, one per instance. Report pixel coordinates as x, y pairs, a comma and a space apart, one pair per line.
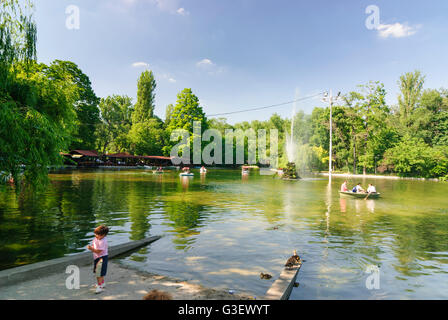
185, 174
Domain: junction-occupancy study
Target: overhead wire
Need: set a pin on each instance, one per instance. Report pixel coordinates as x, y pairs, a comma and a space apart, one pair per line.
254, 108
266, 107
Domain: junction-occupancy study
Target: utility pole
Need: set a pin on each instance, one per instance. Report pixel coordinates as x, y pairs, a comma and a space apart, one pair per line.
330, 99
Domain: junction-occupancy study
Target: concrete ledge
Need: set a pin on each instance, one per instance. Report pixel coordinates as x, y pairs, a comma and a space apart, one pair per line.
282, 287
59, 265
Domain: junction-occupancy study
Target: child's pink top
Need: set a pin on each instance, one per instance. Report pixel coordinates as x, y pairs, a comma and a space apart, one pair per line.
100, 245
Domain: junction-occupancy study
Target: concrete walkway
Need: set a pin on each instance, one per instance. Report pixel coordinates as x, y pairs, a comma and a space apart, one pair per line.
121, 284
46, 280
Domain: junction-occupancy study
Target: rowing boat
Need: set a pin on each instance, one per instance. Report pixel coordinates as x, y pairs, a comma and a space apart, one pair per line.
186, 174
361, 195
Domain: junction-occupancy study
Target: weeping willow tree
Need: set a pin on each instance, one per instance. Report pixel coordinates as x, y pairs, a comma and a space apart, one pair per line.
36, 108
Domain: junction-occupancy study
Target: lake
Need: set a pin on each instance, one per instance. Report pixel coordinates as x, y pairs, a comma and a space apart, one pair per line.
223, 230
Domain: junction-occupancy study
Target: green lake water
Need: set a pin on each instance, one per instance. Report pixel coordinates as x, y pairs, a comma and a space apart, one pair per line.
222, 230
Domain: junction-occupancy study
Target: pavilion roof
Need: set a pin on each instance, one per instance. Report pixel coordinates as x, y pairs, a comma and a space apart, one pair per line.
86, 153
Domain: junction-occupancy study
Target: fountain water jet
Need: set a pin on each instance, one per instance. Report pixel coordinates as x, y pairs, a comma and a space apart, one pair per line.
290, 173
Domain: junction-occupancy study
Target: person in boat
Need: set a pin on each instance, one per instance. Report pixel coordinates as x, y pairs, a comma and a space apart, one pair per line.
371, 188
344, 186
186, 170
358, 189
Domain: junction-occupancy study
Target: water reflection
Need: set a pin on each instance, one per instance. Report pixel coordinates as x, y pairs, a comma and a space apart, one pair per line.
370, 204
343, 204
224, 230
185, 182
185, 218
203, 176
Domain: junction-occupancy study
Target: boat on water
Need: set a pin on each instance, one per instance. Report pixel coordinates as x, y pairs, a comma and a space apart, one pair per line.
245, 170
186, 174
360, 195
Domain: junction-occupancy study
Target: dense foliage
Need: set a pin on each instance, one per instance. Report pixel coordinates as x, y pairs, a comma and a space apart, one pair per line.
48, 109
37, 117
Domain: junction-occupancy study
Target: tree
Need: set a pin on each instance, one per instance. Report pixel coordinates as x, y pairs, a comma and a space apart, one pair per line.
116, 114
432, 123
411, 86
36, 102
185, 113
144, 108
168, 112
147, 138
412, 157
86, 103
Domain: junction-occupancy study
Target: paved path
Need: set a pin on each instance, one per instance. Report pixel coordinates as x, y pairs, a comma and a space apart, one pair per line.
121, 284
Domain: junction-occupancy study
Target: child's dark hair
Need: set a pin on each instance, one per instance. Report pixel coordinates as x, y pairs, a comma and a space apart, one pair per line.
158, 295
101, 230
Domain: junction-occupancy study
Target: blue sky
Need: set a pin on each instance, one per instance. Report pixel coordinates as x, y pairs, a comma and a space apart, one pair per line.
239, 54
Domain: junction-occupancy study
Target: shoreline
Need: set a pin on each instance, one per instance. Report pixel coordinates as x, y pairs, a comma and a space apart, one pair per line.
373, 176
343, 175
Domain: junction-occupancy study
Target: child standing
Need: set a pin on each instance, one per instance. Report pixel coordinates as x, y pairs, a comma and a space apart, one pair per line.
100, 255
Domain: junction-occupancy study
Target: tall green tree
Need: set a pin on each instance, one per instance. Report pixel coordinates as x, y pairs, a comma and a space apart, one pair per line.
86, 104
116, 122
144, 108
411, 87
147, 138
185, 113
432, 123
36, 102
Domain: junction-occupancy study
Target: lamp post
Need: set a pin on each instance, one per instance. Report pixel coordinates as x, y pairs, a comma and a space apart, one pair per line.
330, 99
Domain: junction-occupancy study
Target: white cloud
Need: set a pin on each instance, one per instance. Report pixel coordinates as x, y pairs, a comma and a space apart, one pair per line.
205, 63
171, 6
396, 30
168, 77
211, 68
140, 65
182, 12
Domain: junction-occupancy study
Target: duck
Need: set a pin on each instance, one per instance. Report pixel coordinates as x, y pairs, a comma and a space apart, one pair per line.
265, 276
293, 260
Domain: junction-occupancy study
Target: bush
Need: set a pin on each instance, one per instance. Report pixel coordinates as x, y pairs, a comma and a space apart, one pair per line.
412, 157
